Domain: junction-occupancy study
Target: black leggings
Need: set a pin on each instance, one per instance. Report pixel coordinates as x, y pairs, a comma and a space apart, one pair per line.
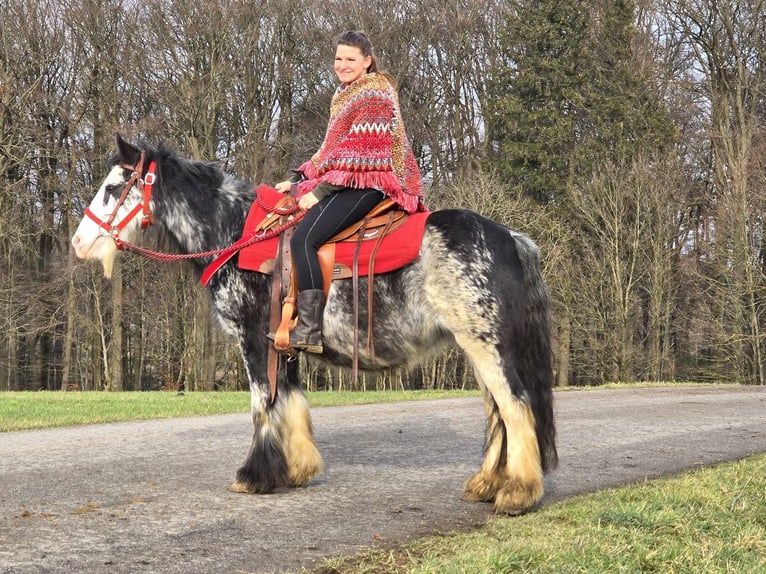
327, 218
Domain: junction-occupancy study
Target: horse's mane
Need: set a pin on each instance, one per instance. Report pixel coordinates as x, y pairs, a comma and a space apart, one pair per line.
166, 155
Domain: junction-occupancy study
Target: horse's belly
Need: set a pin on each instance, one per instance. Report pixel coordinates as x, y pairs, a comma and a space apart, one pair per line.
405, 329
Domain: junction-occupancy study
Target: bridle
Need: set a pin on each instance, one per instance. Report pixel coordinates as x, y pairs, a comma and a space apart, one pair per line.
145, 184
108, 228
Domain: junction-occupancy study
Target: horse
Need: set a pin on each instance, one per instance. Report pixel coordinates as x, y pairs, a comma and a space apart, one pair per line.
476, 284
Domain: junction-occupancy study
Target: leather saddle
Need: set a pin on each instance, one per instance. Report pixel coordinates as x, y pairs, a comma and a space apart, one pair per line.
382, 220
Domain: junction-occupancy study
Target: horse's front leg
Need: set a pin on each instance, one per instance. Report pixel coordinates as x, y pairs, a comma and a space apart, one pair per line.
283, 451
292, 410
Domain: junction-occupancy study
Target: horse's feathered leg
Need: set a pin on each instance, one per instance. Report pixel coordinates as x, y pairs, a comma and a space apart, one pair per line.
511, 474
265, 467
303, 459
483, 485
485, 286
283, 451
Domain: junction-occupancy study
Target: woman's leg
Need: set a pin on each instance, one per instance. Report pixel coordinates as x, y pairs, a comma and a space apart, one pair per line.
325, 219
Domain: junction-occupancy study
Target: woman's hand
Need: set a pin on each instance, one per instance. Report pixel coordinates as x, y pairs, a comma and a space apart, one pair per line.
307, 201
283, 186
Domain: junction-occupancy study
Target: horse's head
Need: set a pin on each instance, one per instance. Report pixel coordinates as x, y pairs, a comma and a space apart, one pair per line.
111, 216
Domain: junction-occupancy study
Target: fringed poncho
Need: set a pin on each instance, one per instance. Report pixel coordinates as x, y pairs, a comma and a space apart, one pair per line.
366, 145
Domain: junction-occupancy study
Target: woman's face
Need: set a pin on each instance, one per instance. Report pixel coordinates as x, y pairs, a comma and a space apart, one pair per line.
350, 63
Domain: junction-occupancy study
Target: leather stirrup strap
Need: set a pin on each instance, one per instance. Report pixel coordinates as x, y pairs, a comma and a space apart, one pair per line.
355, 284
273, 357
280, 281
289, 286
370, 285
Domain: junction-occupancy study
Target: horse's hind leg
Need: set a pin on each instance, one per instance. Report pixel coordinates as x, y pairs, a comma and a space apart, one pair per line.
511, 473
484, 485
483, 284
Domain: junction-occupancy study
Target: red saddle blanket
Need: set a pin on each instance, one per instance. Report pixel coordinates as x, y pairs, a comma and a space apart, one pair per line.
397, 249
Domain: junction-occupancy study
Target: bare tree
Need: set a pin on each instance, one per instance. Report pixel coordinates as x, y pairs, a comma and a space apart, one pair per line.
727, 41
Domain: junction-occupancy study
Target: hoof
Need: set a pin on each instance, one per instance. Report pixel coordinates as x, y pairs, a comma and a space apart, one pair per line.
243, 488
480, 489
304, 462
517, 498
302, 474
238, 487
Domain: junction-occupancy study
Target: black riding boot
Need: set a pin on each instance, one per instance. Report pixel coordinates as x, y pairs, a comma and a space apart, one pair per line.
307, 334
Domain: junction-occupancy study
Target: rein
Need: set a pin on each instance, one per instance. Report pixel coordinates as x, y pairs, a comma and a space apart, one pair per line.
145, 187
254, 237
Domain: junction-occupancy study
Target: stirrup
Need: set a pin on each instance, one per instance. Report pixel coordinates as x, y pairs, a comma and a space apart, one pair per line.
315, 349
288, 352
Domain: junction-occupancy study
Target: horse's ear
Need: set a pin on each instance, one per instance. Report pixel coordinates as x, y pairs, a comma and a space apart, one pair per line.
128, 152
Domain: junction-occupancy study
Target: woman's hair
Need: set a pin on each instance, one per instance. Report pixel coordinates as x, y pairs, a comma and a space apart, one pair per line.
361, 41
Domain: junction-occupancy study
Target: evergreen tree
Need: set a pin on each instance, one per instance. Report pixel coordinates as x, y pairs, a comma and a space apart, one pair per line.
626, 116
569, 97
535, 98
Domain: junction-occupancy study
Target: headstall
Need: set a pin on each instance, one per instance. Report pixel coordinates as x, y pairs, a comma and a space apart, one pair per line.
144, 184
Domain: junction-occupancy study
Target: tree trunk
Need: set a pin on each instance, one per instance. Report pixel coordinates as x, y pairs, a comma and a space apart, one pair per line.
115, 345
565, 333
66, 368
206, 340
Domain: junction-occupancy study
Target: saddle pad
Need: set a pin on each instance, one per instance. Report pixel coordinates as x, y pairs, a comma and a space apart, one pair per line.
397, 249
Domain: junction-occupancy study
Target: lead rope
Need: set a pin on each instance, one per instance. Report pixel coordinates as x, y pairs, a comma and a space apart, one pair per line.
254, 238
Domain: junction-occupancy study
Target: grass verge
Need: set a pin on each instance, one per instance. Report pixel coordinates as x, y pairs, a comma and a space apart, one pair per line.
37, 410
46, 409
710, 520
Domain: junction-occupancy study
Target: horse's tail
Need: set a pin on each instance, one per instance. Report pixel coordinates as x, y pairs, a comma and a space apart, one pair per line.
533, 361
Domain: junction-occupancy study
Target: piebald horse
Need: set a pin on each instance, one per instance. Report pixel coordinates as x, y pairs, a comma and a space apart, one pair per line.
475, 283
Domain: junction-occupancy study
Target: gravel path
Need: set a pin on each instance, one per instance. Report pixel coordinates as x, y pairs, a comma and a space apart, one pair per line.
151, 496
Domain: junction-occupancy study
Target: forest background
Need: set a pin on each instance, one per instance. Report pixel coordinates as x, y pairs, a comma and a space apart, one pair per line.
627, 138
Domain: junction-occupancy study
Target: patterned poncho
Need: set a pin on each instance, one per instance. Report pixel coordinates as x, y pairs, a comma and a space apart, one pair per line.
366, 145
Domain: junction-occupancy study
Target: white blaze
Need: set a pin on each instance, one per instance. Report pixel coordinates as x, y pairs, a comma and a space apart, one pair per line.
92, 242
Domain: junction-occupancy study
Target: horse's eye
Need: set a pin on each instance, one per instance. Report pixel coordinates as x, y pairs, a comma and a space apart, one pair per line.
109, 191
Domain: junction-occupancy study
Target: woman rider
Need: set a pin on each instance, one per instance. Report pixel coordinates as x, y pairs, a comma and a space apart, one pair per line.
364, 158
